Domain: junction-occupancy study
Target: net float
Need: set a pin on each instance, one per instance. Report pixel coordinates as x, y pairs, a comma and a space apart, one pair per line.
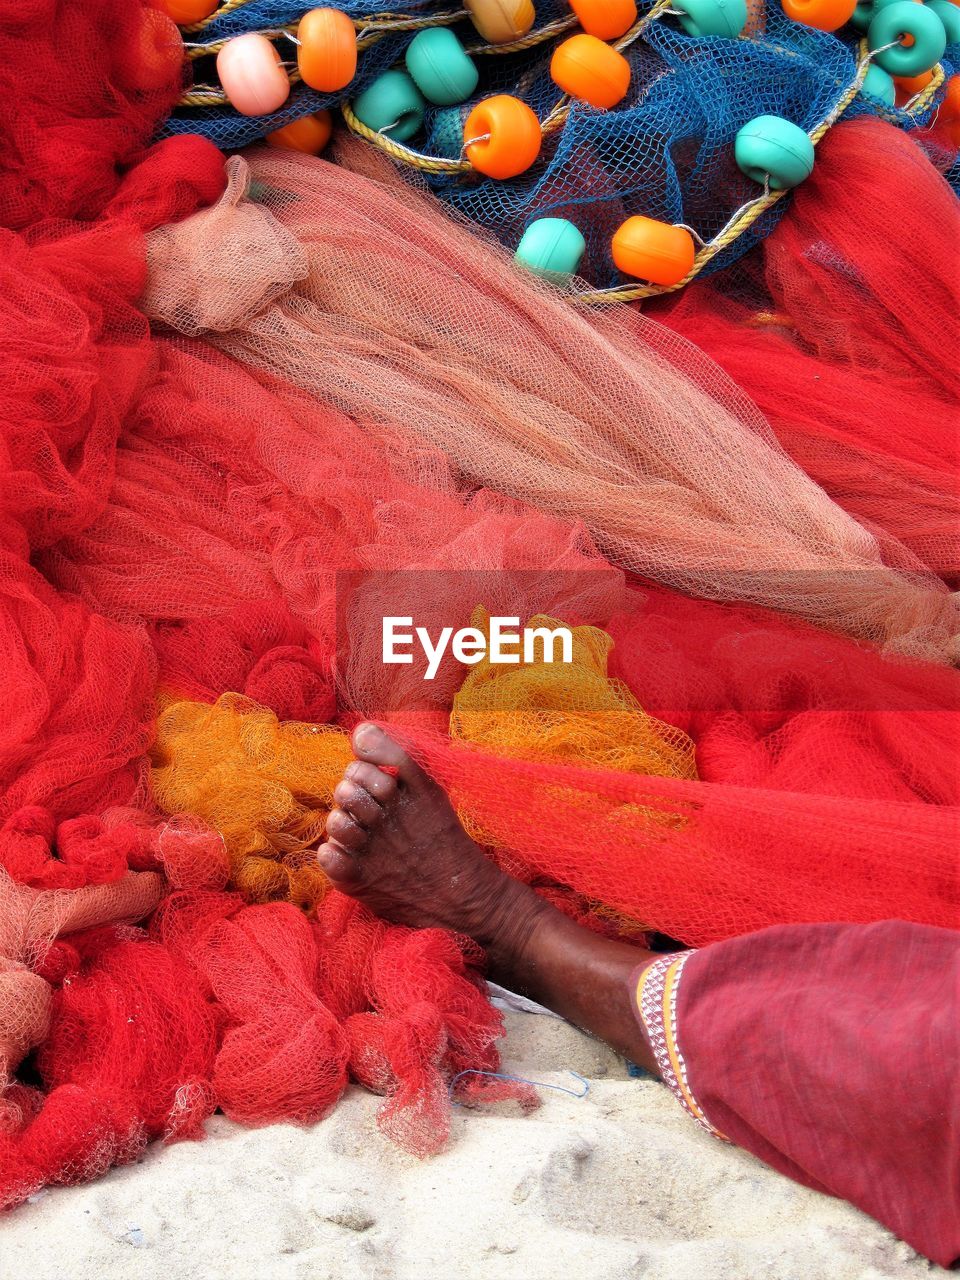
310, 134
503, 136
441, 68
916, 33
327, 53
772, 150
652, 250
392, 105
587, 69
551, 248
252, 75
715, 17
185, 13
605, 19
501, 21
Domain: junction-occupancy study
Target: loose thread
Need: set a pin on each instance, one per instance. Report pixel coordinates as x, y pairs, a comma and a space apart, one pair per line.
537, 1084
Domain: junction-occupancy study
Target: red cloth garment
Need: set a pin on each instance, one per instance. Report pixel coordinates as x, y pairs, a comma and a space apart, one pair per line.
831, 1052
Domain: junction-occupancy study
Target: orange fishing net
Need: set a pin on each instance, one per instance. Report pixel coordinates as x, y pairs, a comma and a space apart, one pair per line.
264, 785
565, 712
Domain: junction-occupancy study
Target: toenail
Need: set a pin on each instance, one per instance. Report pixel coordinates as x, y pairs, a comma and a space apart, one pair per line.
366, 737
344, 792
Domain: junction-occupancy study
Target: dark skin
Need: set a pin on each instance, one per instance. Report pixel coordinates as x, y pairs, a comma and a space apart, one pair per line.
394, 842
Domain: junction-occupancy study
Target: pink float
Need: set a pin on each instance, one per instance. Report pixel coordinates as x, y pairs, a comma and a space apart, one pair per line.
252, 75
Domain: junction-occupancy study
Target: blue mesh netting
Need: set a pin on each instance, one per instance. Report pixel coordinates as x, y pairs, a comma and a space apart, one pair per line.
666, 151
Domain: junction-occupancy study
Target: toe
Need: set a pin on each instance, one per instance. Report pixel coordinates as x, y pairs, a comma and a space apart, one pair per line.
372, 744
382, 786
340, 866
344, 830
358, 803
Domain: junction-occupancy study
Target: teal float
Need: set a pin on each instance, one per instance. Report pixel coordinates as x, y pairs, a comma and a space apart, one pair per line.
440, 67
392, 105
552, 248
771, 149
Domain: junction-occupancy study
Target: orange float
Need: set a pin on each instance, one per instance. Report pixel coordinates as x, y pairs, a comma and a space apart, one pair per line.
327, 56
824, 15
186, 12
501, 21
907, 86
949, 115
309, 134
586, 68
654, 251
606, 19
503, 137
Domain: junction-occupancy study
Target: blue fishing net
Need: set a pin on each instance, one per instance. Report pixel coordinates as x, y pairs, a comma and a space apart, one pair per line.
666, 151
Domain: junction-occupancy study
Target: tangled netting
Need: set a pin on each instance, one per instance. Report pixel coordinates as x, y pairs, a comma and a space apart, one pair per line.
266, 786
394, 314
569, 713
665, 151
195, 557
839, 332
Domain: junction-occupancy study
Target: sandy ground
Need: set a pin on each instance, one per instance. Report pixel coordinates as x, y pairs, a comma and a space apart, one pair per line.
619, 1185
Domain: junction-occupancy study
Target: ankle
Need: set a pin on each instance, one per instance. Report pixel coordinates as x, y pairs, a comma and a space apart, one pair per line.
520, 915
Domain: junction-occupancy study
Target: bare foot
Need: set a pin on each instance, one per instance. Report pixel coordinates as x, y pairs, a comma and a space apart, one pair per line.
395, 843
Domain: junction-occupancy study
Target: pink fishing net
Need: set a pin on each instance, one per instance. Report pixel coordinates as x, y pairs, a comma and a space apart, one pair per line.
395, 315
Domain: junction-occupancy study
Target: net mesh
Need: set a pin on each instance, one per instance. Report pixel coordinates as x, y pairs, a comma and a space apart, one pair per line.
608, 418
838, 331
183, 536
266, 787
569, 712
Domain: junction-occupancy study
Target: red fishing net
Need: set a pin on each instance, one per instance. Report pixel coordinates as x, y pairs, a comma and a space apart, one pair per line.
175, 534
841, 331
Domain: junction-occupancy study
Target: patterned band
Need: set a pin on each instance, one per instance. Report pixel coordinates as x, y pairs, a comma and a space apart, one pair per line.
657, 1001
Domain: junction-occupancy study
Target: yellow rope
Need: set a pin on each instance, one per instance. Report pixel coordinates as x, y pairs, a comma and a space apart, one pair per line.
371, 30
228, 6
214, 46
397, 22
922, 100
531, 39
427, 164
207, 95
